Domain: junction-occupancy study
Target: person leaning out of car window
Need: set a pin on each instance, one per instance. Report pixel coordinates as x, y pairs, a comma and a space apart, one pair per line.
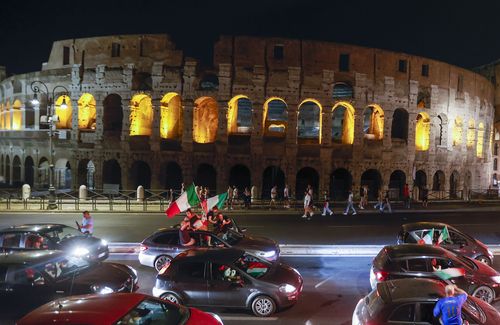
449, 308
184, 237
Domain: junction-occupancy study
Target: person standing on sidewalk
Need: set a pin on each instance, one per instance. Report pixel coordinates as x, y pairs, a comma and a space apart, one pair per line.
236, 195
406, 196
386, 204
380, 200
274, 194
286, 197
350, 204
364, 197
308, 212
326, 205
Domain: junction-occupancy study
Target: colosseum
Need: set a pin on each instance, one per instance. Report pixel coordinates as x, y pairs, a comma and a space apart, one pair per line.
133, 110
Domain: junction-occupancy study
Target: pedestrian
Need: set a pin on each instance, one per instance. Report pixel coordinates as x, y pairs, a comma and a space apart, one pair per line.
87, 226
247, 197
274, 193
425, 196
449, 308
380, 200
286, 197
350, 204
229, 201
308, 213
386, 204
182, 188
236, 195
364, 197
326, 205
406, 196
171, 195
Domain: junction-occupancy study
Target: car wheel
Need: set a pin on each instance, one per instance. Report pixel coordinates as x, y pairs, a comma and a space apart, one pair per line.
172, 297
263, 306
484, 293
486, 260
161, 261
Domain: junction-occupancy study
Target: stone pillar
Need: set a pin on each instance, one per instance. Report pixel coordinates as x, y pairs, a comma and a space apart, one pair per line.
98, 164
125, 167
154, 139
187, 134
75, 132
36, 109
222, 125
291, 132
125, 136
99, 114
11, 168
326, 126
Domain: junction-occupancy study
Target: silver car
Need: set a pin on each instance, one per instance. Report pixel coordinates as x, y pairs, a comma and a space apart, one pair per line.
163, 245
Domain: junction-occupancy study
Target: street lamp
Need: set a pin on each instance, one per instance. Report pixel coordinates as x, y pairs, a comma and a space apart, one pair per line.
52, 119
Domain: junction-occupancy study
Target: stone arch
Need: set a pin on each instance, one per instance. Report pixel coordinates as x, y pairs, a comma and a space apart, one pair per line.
240, 176
171, 176
454, 184
29, 171
480, 140
17, 115
64, 111
112, 115
140, 174
309, 121
43, 172
6, 114
86, 173
111, 172
343, 123
16, 171
86, 112
373, 122
373, 179
397, 181
29, 113
171, 121
142, 81
275, 118
457, 135
442, 130
305, 177
206, 176
239, 115
342, 90
340, 184
399, 126
141, 115
205, 120
438, 181
272, 176
62, 174
419, 184
422, 132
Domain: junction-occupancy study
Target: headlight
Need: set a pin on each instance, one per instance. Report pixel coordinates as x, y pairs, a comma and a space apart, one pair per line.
496, 278
80, 251
287, 288
104, 242
102, 290
268, 254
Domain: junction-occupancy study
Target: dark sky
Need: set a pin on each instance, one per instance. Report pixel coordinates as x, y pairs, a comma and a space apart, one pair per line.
465, 33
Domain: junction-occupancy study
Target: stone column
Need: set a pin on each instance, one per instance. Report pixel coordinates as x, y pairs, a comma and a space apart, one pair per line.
98, 165
99, 116
187, 134
326, 126
75, 132
291, 131
125, 136
154, 139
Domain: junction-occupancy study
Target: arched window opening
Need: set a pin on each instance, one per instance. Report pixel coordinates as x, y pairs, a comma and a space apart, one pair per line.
497, 135
239, 115
63, 112
480, 140
171, 176
86, 112
275, 118
209, 81
140, 174
113, 115
343, 123
342, 90
239, 176
495, 149
171, 117
471, 134
438, 181
419, 184
454, 178
206, 176
17, 115
397, 181
141, 115
306, 177
7, 116
457, 131
272, 176
373, 180
423, 99
495, 164
142, 81
309, 122
373, 123
29, 171
16, 171
111, 172
422, 132
7, 169
205, 120
399, 127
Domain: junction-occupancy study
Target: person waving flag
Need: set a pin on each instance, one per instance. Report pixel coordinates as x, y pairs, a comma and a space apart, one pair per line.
187, 200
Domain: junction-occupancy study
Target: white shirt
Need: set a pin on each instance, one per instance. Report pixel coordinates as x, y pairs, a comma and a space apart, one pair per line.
349, 199
88, 222
307, 200
285, 192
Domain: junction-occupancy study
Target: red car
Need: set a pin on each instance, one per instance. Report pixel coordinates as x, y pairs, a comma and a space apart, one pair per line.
119, 309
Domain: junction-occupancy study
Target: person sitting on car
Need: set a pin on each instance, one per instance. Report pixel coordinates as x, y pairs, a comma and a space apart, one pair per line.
184, 237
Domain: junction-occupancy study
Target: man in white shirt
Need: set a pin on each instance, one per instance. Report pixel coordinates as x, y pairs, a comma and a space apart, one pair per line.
350, 204
87, 223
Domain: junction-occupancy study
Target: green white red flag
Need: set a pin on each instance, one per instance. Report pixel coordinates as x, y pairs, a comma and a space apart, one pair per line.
187, 200
217, 200
427, 239
452, 272
444, 235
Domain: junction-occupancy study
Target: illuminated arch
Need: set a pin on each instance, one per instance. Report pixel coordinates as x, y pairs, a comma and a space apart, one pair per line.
141, 115
171, 116
1, 116
457, 131
373, 122
6, 115
86, 112
309, 120
471, 133
205, 120
64, 113
343, 123
480, 140
239, 115
17, 115
422, 132
275, 117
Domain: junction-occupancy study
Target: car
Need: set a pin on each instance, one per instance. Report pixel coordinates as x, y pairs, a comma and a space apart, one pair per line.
411, 301
416, 261
228, 278
458, 242
31, 278
55, 237
118, 309
163, 245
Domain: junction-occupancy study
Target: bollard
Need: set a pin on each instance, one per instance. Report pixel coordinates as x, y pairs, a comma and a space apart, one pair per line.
253, 193
140, 193
82, 192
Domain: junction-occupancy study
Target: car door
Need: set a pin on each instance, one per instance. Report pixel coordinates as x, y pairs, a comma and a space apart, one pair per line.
167, 243
424, 314
190, 282
412, 267
456, 243
227, 286
402, 315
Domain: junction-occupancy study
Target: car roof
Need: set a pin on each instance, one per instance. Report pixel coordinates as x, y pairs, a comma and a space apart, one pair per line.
29, 257
84, 309
395, 251
410, 289
33, 227
425, 225
219, 255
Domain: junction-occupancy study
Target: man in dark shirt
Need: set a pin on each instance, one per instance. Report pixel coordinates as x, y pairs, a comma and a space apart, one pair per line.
194, 220
449, 308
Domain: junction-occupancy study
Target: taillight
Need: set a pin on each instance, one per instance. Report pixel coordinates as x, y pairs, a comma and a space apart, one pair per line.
164, 268
381, 275
143, 248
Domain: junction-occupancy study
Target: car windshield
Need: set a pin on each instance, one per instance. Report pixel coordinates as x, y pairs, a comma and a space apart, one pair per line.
61, 233
232, 237
253, 266
64, 266
467, 262
155, 312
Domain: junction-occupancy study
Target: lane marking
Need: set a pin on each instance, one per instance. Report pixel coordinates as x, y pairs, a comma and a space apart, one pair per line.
322, 282
248, 318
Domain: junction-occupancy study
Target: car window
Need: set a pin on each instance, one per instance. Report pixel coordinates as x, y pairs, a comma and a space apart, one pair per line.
403, 265
427, 313
226, 273
11, 240
404, 313
457, 239
27, 276
167, 239
35, 241
417, 265
408, 238
61, 233
191, 270
64, 266
253, 266
232, 237
154, 312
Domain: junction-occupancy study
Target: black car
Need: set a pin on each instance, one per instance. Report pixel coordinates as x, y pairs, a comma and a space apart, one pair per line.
229, 278
412, 301
31, 278
423, 261
457, 242
55, 237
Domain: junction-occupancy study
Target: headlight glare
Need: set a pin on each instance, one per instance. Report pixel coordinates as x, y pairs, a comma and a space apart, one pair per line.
80, 251
104, 242
496, 278
268, 254
287, 288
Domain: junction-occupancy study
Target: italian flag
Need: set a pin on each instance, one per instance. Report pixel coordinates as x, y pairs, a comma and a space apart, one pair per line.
187, 200
452, 272
217, 200
427, 239
444, 235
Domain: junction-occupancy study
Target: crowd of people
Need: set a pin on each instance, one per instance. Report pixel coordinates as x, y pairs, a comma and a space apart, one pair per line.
213, 221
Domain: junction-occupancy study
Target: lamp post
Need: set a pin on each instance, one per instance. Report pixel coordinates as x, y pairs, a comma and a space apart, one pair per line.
52, 119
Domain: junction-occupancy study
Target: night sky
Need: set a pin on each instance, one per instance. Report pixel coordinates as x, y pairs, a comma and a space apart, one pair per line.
465, 33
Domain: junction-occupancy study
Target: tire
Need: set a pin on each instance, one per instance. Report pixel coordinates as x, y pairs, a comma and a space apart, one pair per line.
160, 261
485, 259
484, 293
263, 306
172, 297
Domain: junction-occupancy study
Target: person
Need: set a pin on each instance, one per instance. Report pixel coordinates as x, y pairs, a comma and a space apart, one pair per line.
406, 196
183, 189
364, 197
212, 214
386, 204
246, 197
307, 206
350, 204
380, 200
87, 226
229, 200
274, 194
236, 195
435, 265
286, 197
326, 205
195, 222
449, 308
222, 224
184, 238
425, 196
